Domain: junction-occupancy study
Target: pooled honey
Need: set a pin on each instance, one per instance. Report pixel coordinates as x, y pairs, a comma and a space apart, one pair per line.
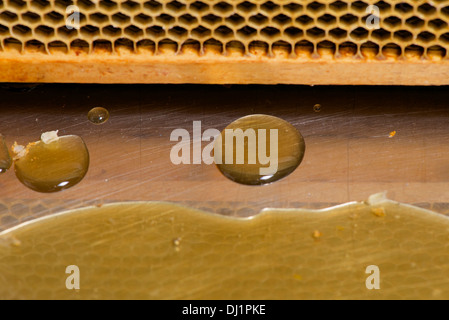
53, 163
98, 115
155, 250
5, 158
268, 149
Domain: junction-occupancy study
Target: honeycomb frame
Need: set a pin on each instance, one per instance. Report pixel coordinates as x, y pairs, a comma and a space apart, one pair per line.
225, 41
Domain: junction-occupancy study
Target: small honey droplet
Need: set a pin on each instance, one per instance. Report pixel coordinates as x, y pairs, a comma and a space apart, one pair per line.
258, 149
317, 107
5, 157
316, 234
379, 212
98, 115
392, 134
53, 163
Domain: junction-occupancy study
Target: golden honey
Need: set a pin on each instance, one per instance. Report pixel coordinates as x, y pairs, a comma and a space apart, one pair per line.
5, 158
98, 115
155, 250
53, 165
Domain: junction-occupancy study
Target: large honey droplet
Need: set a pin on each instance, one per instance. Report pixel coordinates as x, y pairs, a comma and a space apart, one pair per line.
258, 149
52, 164
5, 158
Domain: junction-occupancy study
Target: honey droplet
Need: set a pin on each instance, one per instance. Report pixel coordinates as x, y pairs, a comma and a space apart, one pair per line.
258, 149
53, 163
98, 115
5, 158
317, 107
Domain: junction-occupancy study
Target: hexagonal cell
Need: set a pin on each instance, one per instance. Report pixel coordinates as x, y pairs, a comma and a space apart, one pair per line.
191, 46
12, 44
54, 17
304, 48
445, 37
235, 20
66, 33
281, 49
199, 6
90, 31
293, 32
403, 8
270, 7
369, 49
224, 32
155, 31
44, 31
120, 18
414, 22
56, 47
176, 7
426, 36
188, 20
39, 4
403, 35
383, 6
304, 20
35, 46
246, 6
235, 48
85, 5
391, 50
258, 48
133, 31
427, 9
393, 22
211, 19
315, 32
201, 32
213, 46
282, 19
293, 7
338, 33
270, 32
413, 52
445, 11
348, 19
142, 19
177, 32
21, 30
347, 49
359, 6
152, 6
338, 6
438, 24
124, 46
130, 6
79, 46
326, 48
63, 4
316, 7
436, 53
146, 46
3, 30
327, 20
381, 34
8, 16
111, 31
247, 32
258, 19
99, 18
359, 33
102, 46
17, 4
31, 17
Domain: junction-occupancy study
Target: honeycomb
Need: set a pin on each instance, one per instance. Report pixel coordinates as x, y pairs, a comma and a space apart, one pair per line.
308, 29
